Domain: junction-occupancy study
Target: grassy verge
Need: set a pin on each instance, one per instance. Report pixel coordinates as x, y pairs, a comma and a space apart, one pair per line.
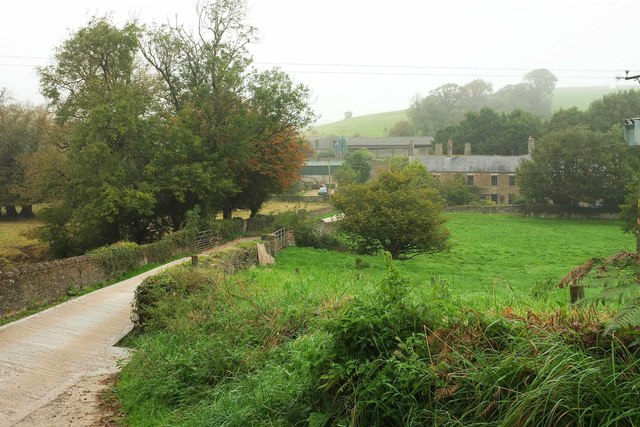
326, 338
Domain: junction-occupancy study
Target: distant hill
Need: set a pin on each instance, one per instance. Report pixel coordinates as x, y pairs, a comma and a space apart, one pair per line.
362, 126
379, 124
581, 97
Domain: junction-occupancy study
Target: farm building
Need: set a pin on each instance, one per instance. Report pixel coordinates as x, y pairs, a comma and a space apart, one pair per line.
495, 176
379, 147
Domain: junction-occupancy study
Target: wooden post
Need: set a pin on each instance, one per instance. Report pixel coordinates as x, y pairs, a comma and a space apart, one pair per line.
194, 261
576, 293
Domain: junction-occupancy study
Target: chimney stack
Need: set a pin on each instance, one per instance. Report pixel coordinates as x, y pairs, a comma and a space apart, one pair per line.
438, 149
531, 143
450, 148
467, 148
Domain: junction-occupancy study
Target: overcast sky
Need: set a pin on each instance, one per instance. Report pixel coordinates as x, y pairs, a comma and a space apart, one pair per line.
367, 56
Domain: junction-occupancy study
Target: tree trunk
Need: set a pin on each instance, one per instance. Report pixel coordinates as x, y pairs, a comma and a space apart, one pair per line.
11, 211
27, 211
227, 213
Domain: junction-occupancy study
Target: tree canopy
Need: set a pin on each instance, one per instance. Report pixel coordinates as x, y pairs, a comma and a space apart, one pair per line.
448, 104
399, 211
576, 165
158, 122
23, 133
493, 133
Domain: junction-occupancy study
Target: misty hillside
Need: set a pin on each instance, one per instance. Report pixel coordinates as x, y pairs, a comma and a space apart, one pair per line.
373, 125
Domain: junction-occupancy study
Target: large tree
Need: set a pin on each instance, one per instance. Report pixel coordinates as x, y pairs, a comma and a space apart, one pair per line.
23, 132
105, 100
447, 104
576, 165
493, 133
398, 211
612, 109
229, 114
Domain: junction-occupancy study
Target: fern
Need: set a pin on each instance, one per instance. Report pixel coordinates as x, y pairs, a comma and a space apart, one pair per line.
628, 316
618, 277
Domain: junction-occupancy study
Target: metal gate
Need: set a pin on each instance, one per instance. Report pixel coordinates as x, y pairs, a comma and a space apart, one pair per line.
204, 241
281, 238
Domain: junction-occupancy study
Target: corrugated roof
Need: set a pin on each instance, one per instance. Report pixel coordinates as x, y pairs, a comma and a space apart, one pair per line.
390, 140
472, 164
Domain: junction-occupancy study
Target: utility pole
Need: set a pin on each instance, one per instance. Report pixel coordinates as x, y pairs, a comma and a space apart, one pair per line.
630, 135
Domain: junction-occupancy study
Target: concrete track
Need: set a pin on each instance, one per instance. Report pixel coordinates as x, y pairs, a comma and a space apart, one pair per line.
45, 355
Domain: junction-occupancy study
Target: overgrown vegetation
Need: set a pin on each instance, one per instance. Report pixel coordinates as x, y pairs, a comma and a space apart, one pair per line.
378, 343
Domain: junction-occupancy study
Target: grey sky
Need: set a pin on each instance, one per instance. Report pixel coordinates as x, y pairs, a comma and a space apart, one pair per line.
421, 44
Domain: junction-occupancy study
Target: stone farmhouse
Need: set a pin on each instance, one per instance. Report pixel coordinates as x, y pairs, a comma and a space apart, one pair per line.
495, 176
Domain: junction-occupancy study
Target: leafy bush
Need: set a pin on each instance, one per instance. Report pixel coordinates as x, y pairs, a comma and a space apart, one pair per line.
118, 258
260, 223
306, 230
227, 229
376, 371
158, 251
175, 284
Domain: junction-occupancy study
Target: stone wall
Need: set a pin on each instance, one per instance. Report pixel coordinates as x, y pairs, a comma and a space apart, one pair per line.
499, 209
234, 259
46, 282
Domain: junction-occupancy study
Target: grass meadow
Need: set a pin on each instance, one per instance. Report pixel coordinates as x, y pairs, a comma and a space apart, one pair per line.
335, 339
493, 258
19, 243
372, 125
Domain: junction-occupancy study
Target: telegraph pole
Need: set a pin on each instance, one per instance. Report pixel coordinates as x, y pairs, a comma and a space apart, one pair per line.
631, 128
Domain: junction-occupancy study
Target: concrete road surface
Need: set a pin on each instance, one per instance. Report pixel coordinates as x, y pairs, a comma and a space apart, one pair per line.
43, 355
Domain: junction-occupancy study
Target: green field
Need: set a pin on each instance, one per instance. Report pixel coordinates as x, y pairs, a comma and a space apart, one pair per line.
19, 244
372, 125
581, 97
325, 338
492, 257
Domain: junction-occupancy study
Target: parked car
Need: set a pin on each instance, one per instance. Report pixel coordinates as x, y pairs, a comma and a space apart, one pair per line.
323, 191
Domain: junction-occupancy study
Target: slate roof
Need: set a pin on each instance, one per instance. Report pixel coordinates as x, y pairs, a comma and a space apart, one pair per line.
472, 164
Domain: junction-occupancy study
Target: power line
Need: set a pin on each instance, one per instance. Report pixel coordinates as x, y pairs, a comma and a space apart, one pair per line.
383, 66
347, 65
373, 73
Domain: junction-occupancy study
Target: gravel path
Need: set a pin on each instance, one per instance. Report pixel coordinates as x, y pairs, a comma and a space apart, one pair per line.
63, 354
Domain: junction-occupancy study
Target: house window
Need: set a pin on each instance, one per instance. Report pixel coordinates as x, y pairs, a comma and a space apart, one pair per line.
494, 198
469, 179
494, 180
512, 180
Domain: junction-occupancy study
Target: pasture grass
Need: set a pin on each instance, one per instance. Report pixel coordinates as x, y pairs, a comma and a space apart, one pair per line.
275, 207
372, 125
19, 242
581, 97
492, 259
